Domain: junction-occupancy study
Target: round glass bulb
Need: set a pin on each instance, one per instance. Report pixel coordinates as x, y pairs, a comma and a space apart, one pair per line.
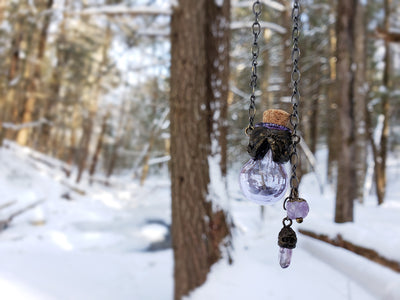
264, 181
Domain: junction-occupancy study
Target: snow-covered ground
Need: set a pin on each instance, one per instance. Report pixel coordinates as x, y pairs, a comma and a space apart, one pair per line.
94, 246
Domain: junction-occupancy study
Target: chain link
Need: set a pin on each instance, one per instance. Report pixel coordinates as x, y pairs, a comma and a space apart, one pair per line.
255, 51
295, 99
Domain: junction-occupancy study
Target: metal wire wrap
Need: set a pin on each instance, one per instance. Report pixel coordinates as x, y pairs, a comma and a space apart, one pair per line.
295, 98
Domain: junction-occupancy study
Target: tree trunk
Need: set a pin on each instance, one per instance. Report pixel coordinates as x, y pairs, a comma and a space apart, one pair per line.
380, 170
146, 159
346, 182
199, 87
286, 67
333, 134
12, 77
30, 106
55, 85
84, 145
122, 129
99, 145
360, 93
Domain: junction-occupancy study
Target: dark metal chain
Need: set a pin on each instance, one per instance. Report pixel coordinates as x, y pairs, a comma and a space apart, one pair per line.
255, 51
295, 99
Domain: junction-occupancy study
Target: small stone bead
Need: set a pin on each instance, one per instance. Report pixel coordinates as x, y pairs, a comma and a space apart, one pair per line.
285, 256
297, 209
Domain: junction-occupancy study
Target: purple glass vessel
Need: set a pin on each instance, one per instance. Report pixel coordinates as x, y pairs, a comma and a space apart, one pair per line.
264, 181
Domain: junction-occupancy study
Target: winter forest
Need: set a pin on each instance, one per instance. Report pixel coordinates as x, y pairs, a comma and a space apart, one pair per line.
136, 157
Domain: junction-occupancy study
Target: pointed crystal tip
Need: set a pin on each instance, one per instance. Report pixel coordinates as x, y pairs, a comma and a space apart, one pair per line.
285, 257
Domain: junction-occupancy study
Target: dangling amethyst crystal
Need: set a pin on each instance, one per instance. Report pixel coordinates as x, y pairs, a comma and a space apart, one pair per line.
285, 256
264, 181
297, 209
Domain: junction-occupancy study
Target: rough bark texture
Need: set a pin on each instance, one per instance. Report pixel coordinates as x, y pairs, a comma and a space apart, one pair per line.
366, 252
360, 89
199, 87
30, 105
99, 145
84, 144
55, 85
346, 182
380, 161
333, 132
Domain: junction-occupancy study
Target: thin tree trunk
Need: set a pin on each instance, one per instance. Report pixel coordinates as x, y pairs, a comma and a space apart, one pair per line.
199, 87
333, 132
346, 183
146, 159
45, 139
3, 6
84, 146
12, 78
380, 175
316, 85
286, 67
360, 94
266, 97
123, 127
99, 146
34, 82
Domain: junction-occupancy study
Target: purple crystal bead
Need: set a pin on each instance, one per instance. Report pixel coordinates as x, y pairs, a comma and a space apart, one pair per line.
297, 209
263, 181
285, 257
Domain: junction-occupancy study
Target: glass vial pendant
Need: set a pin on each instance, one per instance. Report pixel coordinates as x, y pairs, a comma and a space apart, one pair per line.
264, 181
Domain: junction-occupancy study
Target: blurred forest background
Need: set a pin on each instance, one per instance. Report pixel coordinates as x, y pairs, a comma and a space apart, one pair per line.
88, 83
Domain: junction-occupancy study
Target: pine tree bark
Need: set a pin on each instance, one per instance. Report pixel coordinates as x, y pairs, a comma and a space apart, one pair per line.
380, 161
84, 145
199, 88
360, 88
346, 182
45, 138
30, 105
333, 134
286, 67
99, 146
13, 77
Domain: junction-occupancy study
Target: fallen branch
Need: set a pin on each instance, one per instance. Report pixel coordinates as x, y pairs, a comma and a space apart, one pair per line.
365, 252
391, 37
64, 167
73, 188
7, 204
5, 223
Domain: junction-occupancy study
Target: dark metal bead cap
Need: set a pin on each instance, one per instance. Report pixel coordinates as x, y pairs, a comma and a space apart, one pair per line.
287, 238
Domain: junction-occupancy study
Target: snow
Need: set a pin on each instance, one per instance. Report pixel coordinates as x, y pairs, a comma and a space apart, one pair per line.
376, 279
25, 125
374, 226
219, 2
95, 246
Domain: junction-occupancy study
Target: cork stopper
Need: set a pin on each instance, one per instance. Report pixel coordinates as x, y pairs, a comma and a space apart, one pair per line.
276, 116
